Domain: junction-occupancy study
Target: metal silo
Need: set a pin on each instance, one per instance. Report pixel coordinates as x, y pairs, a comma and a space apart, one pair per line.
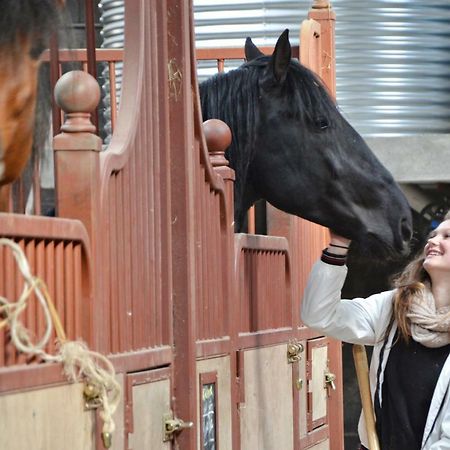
112, 17
392, 57
392, 64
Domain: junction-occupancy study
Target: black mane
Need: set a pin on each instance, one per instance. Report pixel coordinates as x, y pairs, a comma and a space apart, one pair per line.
233, 98
29, 18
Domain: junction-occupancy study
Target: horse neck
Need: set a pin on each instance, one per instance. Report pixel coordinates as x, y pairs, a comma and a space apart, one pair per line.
231, 97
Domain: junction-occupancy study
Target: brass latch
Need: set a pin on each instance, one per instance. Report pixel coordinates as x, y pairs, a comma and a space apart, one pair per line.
172, 425
293, 351
329, 380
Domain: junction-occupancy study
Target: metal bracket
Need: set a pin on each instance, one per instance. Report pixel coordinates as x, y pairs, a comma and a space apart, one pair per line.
172, 425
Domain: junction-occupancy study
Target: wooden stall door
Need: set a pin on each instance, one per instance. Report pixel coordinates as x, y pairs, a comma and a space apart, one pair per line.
147, 407
266, 404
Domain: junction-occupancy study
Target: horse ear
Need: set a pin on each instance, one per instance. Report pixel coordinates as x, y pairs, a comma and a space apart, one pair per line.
281, 57
251, 50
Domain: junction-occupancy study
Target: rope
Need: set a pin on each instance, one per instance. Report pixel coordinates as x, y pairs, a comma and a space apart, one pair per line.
101, 387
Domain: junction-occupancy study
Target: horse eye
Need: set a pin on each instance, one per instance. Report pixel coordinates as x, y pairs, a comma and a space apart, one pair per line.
321, 123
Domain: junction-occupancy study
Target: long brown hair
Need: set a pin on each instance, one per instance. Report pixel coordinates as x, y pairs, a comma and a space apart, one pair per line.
409, 283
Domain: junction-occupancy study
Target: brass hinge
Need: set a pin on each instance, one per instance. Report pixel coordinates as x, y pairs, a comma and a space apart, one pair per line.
294, 349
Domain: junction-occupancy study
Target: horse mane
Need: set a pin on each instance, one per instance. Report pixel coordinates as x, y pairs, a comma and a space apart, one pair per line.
34, 19
233, 98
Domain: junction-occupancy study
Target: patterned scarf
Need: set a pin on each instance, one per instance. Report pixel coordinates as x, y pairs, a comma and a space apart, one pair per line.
429, 326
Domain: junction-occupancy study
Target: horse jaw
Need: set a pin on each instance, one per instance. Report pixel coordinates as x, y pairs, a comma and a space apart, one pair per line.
18, 88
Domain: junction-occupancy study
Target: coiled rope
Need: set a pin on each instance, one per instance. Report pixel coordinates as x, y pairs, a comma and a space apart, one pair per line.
80, 363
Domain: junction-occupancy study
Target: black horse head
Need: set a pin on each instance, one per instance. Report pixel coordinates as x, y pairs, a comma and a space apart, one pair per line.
292, 147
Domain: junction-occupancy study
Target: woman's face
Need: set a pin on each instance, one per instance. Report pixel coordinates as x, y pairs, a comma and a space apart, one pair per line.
437, 249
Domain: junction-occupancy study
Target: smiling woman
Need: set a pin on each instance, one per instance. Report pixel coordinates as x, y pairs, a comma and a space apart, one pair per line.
409, 328
25, 27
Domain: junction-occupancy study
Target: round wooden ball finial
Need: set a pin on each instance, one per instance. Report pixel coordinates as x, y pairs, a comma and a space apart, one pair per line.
77, 91
217, 134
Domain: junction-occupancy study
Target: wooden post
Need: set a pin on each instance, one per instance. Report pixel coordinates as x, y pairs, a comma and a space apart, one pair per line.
362, 373
218, 139
77, 149
77, 164
322, 13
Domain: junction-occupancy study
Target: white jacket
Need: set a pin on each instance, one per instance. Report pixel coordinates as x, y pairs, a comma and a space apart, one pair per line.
364, 321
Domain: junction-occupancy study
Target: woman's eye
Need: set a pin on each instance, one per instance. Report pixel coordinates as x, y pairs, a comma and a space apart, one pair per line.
321, 123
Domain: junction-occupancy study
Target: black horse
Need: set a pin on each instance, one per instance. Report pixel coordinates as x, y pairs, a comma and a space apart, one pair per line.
292, 147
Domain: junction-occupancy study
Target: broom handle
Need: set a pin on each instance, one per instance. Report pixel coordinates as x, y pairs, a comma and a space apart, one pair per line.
362, 373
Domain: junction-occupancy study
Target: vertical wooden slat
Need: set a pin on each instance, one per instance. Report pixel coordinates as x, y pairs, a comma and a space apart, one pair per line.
141, 257
153, 165
136, 287
127, 260
80, 327
69, 291
122, 311
59, 283
40, 272
3, 294
50, 282
10, 294
28, 317
199, 250
116, 323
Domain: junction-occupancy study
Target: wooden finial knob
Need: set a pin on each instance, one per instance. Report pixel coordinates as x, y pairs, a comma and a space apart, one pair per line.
218, 139
77, 91
321, 4
217, 134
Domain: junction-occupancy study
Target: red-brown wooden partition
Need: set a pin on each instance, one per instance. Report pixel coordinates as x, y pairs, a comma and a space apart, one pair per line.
146, 266
58, 252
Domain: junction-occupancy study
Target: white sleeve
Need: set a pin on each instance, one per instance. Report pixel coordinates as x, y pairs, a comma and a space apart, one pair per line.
443, 432
357, 321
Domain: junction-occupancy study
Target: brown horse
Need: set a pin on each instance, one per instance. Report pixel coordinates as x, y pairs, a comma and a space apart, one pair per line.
25, 27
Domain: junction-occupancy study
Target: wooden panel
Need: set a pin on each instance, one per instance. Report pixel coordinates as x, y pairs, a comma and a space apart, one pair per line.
324, 445
303, 394
47, 419
57, 253
267, 410
263, 276
317, 367
221, 366
150, 402
311, 46
319, 358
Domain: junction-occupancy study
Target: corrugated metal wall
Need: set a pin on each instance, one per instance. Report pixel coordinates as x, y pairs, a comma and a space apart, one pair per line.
392, 57
226, 23
393, 65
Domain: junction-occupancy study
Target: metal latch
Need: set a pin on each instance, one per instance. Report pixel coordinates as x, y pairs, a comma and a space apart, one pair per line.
293, 351
172, 425
329, 380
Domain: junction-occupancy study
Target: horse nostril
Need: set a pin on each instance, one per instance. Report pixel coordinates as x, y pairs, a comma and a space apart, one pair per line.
406, 229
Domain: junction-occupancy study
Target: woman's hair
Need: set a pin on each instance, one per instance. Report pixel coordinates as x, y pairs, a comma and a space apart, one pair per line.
409, 283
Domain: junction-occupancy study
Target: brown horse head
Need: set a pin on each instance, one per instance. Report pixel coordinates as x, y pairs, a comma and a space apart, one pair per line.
25, 27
